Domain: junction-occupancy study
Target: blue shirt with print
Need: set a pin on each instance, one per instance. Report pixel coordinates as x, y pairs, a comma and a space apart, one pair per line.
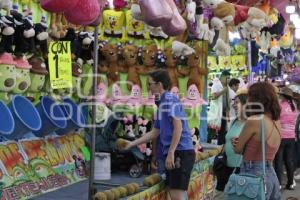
170, 107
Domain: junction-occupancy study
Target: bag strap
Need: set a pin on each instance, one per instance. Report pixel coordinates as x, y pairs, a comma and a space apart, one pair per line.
263, 146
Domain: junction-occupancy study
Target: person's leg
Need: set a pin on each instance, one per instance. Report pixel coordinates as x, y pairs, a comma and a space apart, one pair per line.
289, 149
177, 180
278, 162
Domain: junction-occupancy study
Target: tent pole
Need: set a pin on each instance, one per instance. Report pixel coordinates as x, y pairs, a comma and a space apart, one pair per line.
94, 92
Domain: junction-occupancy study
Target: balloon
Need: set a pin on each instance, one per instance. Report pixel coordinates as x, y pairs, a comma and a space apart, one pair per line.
58, 6
156, 12
84, 13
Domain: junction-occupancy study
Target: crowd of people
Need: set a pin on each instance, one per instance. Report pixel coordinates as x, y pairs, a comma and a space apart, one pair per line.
240, 133
244, 112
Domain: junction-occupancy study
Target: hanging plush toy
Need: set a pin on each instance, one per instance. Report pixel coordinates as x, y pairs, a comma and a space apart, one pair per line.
113, 25
130, 53
171, 65
196, 69
135, 29
24, 34
149, 107
149, 56
195, 137
192, 105
110, 53
129, 123
23, 80
8, 76
76, 80
117, 99
135, 101
41, 37
7, 34
37, 76
101, 93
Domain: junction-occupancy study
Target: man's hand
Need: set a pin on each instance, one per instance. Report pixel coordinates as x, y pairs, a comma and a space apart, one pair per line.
170, 164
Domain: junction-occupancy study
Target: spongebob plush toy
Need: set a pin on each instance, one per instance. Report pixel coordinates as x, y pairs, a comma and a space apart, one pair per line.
113, 26
135, 29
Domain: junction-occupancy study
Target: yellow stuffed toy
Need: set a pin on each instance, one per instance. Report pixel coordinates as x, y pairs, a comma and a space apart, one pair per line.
135, 29
113, 25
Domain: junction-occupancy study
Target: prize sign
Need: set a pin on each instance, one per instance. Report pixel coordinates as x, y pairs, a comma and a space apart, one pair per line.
60, 64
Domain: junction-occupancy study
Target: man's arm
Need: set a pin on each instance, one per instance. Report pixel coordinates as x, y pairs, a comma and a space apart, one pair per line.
170, 160
153, 134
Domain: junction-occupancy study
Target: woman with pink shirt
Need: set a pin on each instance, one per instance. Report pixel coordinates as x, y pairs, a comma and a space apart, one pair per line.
285, 153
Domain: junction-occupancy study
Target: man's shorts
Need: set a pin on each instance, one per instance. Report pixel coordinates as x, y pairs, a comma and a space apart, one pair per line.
179, 177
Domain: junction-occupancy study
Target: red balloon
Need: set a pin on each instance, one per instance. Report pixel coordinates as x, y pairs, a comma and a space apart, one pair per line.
84, 13
58, 6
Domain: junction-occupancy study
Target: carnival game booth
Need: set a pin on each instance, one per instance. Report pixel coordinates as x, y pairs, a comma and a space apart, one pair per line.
67, 67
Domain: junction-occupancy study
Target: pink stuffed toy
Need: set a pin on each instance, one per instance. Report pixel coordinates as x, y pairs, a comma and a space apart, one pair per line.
135, 98
119, 4
58, 6
150, 100
117, 97
193, 98
101, 93
84, 13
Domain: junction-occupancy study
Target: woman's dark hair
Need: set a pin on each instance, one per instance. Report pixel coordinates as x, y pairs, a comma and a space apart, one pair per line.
243, 98
290, 101
263, 93
234, 81
161, 75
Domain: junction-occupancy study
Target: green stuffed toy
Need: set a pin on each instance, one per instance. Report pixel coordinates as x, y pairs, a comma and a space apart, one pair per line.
150, 107
7, 76
38, 73
23, 80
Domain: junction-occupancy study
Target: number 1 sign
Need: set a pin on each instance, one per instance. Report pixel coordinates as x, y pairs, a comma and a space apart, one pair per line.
60, 64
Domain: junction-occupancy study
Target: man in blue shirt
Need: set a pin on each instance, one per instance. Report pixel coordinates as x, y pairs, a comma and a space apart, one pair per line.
172, 128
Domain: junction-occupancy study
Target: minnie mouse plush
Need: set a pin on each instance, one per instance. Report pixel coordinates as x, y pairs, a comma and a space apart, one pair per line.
129, 126
144, 125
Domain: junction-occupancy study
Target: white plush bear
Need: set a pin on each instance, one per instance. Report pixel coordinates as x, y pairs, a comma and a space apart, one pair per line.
191, 10
181, 49
257, 18
203, 31
221, 48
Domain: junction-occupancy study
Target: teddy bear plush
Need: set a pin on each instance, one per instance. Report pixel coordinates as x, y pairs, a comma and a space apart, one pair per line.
171, 65
130, 53
110, 53
149, 55
196, 70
